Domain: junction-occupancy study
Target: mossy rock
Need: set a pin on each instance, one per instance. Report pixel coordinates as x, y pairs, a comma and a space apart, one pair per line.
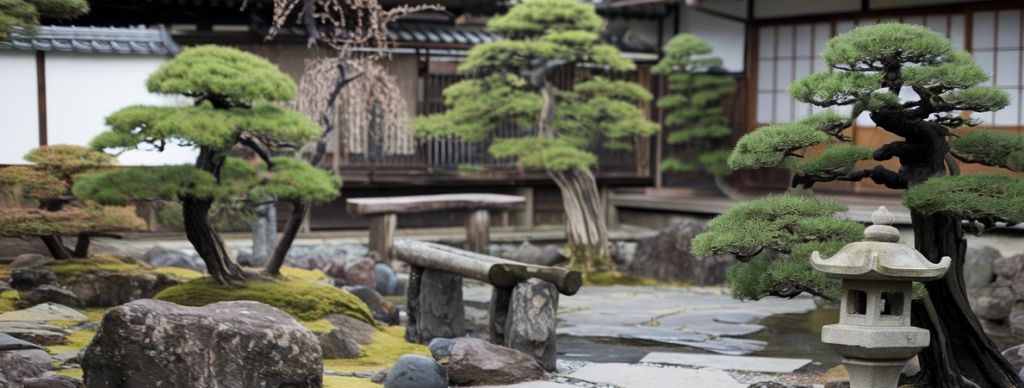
104, 281
99, 263
304, 300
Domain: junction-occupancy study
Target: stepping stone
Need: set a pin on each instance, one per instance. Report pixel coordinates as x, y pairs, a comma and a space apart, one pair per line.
44, 312
749, 364
643, 376
711, 343
532, 384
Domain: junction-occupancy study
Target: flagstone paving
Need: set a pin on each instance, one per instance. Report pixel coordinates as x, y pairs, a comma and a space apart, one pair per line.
751, 364
643, 376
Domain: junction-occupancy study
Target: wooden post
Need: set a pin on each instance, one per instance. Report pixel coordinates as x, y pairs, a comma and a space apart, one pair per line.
500, 298
382, 235
523, 218
478, 234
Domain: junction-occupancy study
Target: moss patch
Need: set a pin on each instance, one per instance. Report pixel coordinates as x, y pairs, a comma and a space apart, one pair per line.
304, 300
183, 274
318, 326
303, 274
71, 267
388, 345
348, 382
7, 300
77, 340
75, 373
622, 279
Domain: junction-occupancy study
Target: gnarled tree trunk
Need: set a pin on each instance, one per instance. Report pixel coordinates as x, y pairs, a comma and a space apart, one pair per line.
56, 247
207, 241
959, 348
291, 229
586, 229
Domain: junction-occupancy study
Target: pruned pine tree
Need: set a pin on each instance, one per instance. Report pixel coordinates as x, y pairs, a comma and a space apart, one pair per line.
912, 83
25, 14
694, 116
234, 94
51, 211
559, 128
351, 81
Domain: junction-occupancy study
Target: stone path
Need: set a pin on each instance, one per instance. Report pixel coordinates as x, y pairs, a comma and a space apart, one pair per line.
703, 318
751, 364
643, 376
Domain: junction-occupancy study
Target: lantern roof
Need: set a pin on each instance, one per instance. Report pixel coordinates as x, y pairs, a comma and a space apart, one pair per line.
880, 256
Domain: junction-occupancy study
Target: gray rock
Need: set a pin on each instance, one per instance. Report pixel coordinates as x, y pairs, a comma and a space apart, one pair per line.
412, 371
45, 312
530, 326
335, 344
358, 331
53, 382
4, 285
360, 273
53, 294
35, 335
978, 266
441, 349
321, 256
476, 362
438, 310
8, 343
1016, 319
1015, 356
231, 344
27, 278
30, 260
22, 364
383, 310
548, 255
994, 302
69, 357
772, 384
385, 280
667, 256
1007, 267
167, 257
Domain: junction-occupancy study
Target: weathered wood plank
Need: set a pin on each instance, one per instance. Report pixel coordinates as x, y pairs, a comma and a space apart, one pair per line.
382, 235
427, 203
478, 232
492, 270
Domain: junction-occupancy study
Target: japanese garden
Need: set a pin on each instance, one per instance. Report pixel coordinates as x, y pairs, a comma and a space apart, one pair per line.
523, 194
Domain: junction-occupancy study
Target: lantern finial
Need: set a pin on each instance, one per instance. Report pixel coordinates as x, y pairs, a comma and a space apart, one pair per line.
882, 229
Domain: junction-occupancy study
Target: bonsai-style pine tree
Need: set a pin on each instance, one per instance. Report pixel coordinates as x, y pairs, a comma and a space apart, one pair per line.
233, 93
915, 85
26, 13
559, 128
53, 211
694, 114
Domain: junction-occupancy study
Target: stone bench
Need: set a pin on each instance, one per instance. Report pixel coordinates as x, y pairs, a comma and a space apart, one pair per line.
384, 212
524, 301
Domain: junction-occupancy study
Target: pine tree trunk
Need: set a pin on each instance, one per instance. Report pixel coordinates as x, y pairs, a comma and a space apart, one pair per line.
287, 238
207, 241
56, 247
959, 348
586, 230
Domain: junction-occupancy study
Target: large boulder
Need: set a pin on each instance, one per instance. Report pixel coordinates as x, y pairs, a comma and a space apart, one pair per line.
471, 361
412, 371
151, 343
21, 360
667, 256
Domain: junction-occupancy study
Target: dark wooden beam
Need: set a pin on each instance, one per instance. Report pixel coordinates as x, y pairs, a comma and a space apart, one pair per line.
41, 94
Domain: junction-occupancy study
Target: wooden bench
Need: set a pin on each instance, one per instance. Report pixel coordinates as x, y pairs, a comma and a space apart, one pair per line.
385, 210
524, 301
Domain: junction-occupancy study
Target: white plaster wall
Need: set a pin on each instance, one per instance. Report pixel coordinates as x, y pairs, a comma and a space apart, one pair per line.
82, 90
727, 37
19, 120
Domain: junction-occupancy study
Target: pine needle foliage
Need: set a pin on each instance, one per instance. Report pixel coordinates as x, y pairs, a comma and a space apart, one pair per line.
541, 35
693, 105
25, 14
873, 70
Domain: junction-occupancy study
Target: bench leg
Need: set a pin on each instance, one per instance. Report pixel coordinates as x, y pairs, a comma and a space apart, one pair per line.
412, 302
382, 235
532, 318
478, 234
500, 297
439, 308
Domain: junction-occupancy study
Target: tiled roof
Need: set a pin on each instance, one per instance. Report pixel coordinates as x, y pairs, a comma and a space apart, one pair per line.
94, 40
433, 33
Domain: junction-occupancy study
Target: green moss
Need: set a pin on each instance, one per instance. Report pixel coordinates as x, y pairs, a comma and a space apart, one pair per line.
72, 267
303, 274
8, 299
348, 382
75, 373
302, 299
318, 326
388, 345
612, 278
77, 340
183, 274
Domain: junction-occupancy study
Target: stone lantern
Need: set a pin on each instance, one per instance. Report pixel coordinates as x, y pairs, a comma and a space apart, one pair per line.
874, 334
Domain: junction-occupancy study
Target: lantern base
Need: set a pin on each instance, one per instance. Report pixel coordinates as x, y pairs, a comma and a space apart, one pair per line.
873, 373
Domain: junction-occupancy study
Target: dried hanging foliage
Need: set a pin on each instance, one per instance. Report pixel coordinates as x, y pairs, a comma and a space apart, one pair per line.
351, 91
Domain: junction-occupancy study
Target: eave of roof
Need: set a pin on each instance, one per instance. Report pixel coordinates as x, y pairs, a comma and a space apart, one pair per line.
93, 40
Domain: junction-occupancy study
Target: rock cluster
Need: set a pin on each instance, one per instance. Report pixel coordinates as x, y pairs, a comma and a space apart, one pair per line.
995, 288
667, 256
463, 361
38, 283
